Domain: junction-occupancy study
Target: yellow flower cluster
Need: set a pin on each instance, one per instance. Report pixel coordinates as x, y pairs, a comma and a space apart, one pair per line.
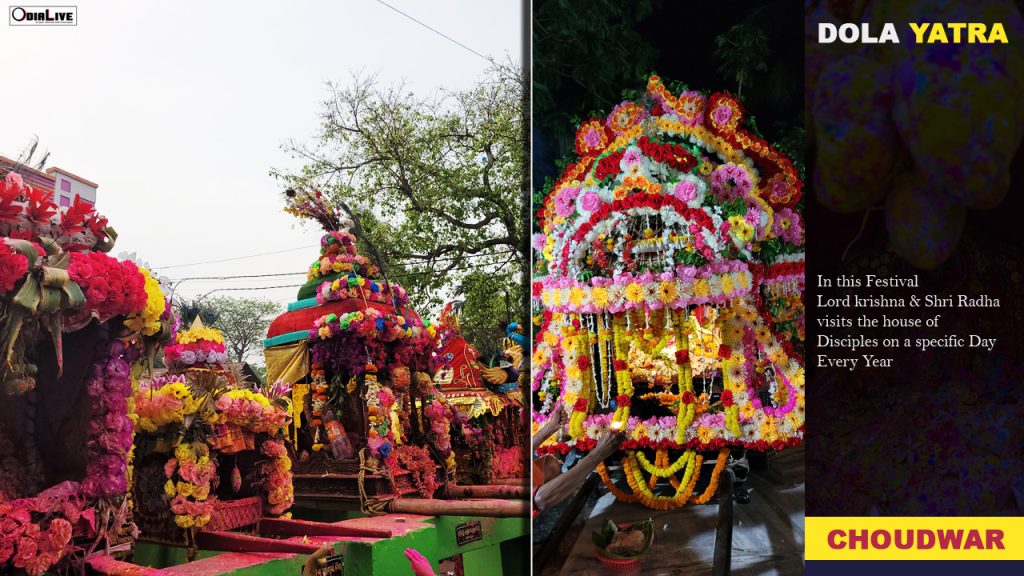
233, 407
148, 320
200, 333
741, 229
167, 405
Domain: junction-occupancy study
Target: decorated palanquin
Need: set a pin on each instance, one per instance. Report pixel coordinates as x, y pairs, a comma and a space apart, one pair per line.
368, 422
489, 438
75, 324
670, 280
210, 447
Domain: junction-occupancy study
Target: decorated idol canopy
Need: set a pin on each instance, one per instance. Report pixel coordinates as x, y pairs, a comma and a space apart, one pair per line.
73, 324
360, 359
671, 280
210, 447
488, 440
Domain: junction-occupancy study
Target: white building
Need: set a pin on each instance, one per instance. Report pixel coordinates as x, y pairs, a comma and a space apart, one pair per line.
63, 184
67, 185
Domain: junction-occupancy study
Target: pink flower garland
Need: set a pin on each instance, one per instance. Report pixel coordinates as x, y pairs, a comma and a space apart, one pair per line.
27, 540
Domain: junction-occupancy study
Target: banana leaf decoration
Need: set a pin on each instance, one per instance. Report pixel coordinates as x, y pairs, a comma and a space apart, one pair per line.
45, 293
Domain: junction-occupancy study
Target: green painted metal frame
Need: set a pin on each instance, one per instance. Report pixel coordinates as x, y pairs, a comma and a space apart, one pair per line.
503, 549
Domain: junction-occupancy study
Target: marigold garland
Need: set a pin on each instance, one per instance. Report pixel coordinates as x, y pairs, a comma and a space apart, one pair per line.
619, 494
635, 479
660, 469
723, 458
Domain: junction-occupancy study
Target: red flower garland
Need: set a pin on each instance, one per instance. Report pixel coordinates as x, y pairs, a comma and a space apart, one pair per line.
674, 155
609, 165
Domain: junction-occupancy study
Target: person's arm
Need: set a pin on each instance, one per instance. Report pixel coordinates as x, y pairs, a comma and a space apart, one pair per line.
560, 488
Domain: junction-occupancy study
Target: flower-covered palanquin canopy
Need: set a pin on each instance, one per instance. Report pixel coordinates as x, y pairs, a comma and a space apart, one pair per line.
76, 326
671, 276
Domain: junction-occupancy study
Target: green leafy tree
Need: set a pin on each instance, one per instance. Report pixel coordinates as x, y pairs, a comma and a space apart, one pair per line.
438, 182
743, 52
243, 321
584, 53
490, 303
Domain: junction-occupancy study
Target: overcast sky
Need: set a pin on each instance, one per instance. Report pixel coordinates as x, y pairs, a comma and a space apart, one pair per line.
178, 111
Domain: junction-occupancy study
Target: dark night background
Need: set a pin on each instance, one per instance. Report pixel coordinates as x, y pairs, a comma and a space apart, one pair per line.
940, 433
584, 65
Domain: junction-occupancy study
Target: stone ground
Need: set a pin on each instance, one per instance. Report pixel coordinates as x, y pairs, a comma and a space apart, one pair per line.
768, 534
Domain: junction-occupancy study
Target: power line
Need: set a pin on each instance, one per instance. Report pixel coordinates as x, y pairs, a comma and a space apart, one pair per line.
402, 262
464, 257
260, 287
434, 30
239, 276
407, 275
235, 258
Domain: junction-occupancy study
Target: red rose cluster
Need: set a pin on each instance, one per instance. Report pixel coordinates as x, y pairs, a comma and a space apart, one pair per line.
609, 165
674, 155
111, 287
13, 267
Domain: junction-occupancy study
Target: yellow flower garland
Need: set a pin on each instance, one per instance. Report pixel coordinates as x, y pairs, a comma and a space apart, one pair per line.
662, 471
732, 420
633, 465
635, 479
623, 380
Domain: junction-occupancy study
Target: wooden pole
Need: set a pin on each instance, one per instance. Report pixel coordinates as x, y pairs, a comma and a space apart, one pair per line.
490, 508
282, 527
564, 522
722, 561
495, 491
234, 542
511, 482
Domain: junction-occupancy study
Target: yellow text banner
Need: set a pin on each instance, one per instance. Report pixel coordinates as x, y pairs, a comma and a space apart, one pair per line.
914, 538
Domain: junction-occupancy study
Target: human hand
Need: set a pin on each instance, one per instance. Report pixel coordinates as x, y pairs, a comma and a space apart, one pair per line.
563, 418
609, 442
419, 564
555, 421
316, 560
